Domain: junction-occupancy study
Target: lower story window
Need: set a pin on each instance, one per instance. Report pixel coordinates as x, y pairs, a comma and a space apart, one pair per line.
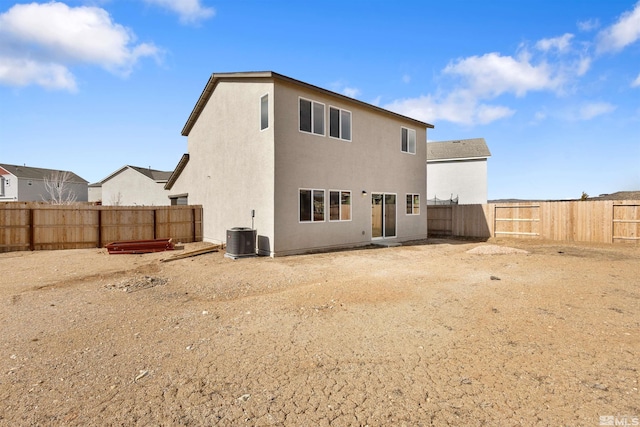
339, 205
413, 204
311, 205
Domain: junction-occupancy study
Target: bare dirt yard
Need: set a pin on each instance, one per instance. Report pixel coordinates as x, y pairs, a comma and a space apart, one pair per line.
437, 333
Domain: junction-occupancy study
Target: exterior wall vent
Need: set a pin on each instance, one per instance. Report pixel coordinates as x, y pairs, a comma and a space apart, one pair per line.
241, 242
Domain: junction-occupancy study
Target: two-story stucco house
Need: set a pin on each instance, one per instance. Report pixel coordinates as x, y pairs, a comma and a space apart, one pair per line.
308, 168
457, 170
132, 186
29, 184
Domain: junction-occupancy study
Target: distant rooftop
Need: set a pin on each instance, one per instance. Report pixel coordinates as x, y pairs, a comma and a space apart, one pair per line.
458, 149
28, 172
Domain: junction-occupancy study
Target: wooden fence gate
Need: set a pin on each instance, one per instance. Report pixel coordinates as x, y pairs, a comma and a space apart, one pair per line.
626, 223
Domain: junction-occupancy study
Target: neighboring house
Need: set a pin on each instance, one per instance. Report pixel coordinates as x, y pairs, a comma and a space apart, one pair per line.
133, 186
457, 170
310, 169
28, 184
95, 192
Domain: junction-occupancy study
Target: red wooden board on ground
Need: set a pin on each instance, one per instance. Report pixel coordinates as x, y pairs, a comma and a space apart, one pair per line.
140, 246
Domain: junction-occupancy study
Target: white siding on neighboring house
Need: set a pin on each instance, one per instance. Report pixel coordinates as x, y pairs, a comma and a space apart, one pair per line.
129, 187
457, 169
465, 180
27, 184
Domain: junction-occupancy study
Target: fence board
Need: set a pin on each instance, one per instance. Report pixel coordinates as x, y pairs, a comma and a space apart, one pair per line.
37, 226
602, 221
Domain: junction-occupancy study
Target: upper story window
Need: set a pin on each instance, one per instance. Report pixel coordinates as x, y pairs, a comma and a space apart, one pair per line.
311, 117
408, 140
264, 112
339, 123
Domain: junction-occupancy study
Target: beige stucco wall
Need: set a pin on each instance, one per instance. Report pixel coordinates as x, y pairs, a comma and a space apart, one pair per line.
95, 194
234, 167
131, 188
466, 179
231, 162
372, 162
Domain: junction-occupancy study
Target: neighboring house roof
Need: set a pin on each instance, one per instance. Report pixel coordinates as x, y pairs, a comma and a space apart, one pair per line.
216, 77
153, 174
28, 172
475, 148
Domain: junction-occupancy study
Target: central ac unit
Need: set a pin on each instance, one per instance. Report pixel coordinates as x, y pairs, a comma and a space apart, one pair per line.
241, 242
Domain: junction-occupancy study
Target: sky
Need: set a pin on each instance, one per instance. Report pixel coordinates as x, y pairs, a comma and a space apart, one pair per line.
553, 86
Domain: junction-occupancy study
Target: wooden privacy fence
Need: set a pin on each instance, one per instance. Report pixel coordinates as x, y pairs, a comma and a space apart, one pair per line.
34, 226
601, 221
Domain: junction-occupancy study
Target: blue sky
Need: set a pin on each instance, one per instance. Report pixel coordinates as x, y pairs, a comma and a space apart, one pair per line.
553, 86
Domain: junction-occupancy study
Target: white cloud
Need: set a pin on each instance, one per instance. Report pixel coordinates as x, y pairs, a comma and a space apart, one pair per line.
23, 71
594, 109
588, 25
561, 44
48, 38
621, 34
351, 92
636, 82
492, 74
189, 11
458, 107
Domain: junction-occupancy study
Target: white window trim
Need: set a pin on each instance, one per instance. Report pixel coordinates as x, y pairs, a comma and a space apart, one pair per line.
412, 205
268, 112
350, 206
324, 121
415, 138
340, 110
312, 216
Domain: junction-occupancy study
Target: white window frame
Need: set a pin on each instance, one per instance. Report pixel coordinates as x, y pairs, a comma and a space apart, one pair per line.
324, 118
340, 111
324, 210
413, 206
266, 95
340, 193
409, 133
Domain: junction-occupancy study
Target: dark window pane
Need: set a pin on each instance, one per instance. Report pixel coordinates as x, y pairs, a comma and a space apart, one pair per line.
409, 204
334, 122
334, 205
318, 205
305, 115
318, 118
305, 205
346, 125
405, 140
264, 112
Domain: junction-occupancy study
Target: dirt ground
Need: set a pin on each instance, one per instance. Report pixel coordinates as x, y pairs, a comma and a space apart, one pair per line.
437, 333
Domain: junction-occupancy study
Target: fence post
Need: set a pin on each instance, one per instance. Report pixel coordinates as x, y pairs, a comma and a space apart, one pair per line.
32, 244
155, 224
99, 227
193, 224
